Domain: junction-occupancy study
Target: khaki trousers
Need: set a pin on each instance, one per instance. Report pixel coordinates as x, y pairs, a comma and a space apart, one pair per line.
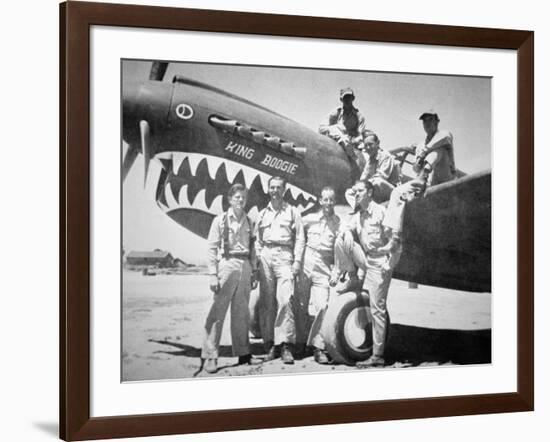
312, 296
234, 277
276, 294
377, 283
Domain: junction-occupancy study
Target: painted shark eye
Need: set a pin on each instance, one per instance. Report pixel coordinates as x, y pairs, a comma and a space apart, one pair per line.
184, 111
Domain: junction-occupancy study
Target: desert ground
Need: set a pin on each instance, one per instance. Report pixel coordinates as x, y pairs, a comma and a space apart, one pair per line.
163, 318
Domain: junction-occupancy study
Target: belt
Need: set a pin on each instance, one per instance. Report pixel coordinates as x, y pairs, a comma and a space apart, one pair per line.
277, 244
320, 252
375, 254
240, 255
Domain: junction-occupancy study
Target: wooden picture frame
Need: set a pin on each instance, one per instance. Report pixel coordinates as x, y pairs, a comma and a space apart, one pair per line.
75, 21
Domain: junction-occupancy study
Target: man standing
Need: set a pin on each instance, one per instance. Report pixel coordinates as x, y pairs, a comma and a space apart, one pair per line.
232, 269
381, 169
279, 246
345, 125
366, 243
313, 289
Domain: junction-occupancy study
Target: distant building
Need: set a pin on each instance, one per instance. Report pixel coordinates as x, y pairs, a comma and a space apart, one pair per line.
179, 263
156, 258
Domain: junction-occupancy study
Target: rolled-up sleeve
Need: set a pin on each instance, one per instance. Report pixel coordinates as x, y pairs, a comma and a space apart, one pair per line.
258, 242
361, 123
214, 243
385, 167
442, 138
253, 244
331, 119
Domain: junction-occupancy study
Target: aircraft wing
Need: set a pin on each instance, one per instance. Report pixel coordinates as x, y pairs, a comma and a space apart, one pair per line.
447, 236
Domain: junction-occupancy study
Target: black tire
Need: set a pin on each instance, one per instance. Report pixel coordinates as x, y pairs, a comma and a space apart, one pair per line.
347, 328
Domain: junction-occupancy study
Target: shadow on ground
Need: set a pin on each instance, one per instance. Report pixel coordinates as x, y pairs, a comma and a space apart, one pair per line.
194, 352
417, 345
407, 345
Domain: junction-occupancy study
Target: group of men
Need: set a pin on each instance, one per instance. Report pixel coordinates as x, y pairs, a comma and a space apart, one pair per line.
296, 260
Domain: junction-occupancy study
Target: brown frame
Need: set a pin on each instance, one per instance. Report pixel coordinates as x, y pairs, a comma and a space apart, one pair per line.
75, 21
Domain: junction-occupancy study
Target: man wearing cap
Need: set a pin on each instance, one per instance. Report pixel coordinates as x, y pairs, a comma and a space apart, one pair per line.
232, 269
366, 243
434, 164
435, 155
345, 125
381, 169
313, 290
279, 247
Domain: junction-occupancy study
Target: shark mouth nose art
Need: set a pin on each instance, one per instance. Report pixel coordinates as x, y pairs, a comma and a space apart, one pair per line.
200, 182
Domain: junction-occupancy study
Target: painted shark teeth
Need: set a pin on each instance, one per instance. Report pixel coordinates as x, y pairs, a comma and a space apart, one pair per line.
253, 213
294, 191
216, 206
232, 169
199, 202
162, 206
264, 177
183, 199
177, 159
165, 155
194, 160
249, 175
170, 200
214, 164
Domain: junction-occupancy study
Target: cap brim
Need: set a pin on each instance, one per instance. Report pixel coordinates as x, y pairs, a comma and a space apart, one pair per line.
424, 115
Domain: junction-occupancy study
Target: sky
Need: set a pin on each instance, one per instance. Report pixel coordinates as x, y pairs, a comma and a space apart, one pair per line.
390, 102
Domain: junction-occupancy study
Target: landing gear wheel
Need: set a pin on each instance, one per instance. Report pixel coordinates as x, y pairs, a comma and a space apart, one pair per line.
347, 328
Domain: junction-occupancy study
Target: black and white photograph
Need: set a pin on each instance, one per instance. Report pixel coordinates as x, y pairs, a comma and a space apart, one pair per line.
281, 220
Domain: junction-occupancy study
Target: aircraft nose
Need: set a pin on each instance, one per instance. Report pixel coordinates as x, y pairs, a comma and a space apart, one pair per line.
148, 101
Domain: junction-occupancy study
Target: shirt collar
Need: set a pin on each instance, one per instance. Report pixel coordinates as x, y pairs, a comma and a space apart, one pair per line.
352, 110
370, 208
320, 215
231, 214
283, 207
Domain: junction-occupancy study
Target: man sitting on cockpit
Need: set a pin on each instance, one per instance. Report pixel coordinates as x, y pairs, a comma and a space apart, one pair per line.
434, 164
381, 168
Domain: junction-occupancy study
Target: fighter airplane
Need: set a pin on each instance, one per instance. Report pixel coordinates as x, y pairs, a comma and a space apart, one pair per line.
207, 139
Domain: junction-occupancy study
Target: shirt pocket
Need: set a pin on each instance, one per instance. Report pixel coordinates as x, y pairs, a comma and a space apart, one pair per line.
265, 222
285, 222
330, 236
373, 228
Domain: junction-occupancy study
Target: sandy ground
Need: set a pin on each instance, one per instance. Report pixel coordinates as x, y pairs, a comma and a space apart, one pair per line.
163, 318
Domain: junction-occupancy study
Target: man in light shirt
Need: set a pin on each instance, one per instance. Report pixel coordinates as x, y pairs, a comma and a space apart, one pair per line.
313, 290
435, 160
345, 125
279, 247
380, 169
365, 243
434, 164
232, 269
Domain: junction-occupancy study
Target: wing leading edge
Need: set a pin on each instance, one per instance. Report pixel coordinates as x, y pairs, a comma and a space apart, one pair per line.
447, 236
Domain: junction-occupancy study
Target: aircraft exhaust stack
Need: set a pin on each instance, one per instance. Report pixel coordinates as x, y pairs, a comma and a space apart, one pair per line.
145, 132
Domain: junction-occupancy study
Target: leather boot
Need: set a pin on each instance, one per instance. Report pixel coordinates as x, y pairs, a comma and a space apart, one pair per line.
320, 356
211, 365
249, 360
286, 354
353, 283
